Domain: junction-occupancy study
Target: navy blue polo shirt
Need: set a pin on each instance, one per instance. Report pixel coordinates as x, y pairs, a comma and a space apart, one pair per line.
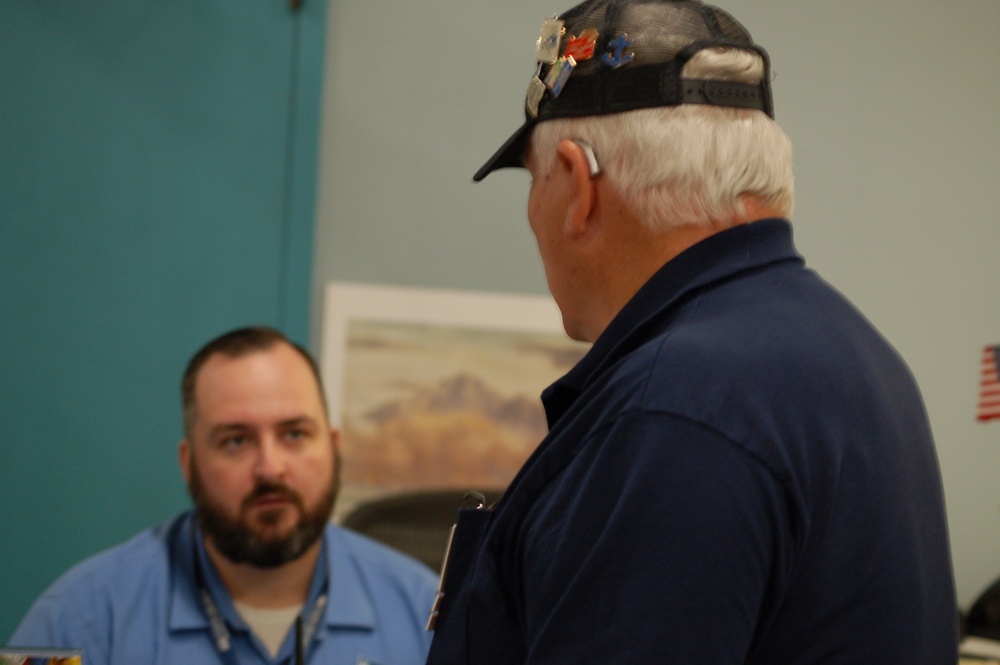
740, 470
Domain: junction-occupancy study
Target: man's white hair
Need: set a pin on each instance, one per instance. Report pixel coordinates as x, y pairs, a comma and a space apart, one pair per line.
687, 164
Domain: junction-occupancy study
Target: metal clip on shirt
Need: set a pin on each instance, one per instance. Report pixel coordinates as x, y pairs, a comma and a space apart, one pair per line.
480, 503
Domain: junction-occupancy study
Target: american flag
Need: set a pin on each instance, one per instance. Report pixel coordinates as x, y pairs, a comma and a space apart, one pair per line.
989, 384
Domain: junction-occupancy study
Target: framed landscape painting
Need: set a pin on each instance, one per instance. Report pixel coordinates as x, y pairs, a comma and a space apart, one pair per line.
437, 389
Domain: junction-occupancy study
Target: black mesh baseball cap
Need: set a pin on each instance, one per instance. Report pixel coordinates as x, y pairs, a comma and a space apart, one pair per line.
608, 56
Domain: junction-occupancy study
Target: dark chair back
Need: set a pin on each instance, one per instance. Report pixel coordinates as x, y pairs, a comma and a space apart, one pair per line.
983, 617
415, 523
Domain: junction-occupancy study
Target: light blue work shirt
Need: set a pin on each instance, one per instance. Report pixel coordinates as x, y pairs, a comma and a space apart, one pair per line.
139, 603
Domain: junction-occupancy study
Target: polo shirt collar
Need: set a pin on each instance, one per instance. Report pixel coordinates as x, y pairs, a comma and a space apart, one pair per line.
716, 258
186, 612
350, 602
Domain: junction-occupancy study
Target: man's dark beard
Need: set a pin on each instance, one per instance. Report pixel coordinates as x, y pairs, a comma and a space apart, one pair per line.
240, 544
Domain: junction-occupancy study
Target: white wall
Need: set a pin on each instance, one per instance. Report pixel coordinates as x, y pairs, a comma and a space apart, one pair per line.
894, 110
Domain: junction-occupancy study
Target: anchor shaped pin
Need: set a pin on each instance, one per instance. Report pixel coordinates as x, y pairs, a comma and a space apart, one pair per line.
619, 44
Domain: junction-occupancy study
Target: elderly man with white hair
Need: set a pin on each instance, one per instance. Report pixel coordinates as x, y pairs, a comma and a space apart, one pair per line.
741, 469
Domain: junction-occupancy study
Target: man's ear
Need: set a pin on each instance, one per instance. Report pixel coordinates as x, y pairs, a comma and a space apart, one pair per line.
582, 195
184, 456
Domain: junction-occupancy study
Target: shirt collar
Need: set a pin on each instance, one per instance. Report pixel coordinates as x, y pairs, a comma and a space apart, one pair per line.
185, 609
716, 258
349, 603
191, 570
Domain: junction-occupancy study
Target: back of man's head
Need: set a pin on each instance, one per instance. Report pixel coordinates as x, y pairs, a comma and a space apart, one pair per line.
674, 98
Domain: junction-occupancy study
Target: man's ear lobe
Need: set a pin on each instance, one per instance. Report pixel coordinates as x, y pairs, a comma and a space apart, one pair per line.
575, 159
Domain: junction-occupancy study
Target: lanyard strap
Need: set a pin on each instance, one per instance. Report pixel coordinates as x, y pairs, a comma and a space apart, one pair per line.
305, 629
220, 634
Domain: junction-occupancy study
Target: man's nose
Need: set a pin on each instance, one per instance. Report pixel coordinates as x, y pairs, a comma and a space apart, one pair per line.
270, 458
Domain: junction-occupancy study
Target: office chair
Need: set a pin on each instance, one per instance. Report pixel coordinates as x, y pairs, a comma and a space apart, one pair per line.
415, 523
983, 617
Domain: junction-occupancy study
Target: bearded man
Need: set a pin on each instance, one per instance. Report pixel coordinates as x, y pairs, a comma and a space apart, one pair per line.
256, 573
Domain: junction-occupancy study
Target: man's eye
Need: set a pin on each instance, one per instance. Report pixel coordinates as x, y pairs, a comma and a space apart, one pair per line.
233, 442
296, 434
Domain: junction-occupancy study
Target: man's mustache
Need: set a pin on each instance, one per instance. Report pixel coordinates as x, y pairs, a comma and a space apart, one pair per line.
270, 489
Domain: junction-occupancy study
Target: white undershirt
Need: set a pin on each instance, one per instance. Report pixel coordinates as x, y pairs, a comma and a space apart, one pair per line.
271, 626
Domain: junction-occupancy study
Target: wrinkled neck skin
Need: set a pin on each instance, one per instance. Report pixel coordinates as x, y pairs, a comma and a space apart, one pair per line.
627, 253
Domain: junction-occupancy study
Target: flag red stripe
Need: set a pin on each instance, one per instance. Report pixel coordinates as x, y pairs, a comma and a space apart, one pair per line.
989, 386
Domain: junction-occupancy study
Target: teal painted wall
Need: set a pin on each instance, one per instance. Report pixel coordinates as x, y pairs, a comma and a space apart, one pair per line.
157, 186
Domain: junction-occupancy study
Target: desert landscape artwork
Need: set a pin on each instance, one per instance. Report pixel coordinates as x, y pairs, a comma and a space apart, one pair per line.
437, 397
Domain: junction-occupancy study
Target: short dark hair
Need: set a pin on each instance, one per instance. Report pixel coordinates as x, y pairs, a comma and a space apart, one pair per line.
236, 344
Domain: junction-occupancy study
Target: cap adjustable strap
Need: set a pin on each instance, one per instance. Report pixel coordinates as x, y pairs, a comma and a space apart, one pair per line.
724, 93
